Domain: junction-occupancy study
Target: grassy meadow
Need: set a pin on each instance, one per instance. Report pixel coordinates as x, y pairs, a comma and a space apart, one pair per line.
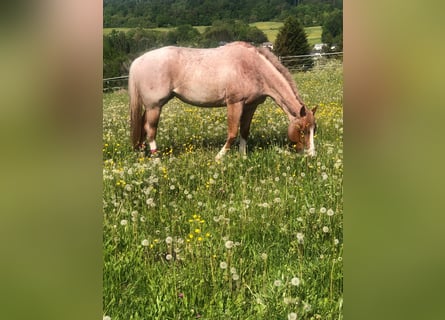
255, 237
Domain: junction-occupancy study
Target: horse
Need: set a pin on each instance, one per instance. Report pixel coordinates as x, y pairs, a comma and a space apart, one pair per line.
237, 75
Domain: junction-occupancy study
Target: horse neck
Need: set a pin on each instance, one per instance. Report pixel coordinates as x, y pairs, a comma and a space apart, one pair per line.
279, 89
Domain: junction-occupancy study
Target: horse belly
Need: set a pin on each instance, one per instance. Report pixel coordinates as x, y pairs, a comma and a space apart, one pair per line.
201, 95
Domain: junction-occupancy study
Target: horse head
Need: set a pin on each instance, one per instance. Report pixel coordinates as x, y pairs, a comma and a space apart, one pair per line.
302, 129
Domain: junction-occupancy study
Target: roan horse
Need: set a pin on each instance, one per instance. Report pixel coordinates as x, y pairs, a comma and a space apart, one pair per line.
237, 75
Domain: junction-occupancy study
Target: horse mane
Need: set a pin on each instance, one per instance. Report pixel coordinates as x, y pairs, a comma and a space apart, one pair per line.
282, 69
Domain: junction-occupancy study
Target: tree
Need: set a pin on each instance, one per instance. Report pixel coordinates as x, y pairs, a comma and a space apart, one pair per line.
292, 41
333, 29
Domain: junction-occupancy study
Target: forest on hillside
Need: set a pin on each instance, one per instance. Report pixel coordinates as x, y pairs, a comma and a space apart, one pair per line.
171, 13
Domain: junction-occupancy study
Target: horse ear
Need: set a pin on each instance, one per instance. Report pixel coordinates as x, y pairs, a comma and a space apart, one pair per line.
303, 111
314, 109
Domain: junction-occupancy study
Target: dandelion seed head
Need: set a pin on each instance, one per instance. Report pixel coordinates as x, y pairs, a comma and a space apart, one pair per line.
235, 277
264, 256
330, 212
322, 210
145, 243
292, 316
124, 222
106, 318
277, 283
223, 265
312, 210
229, 244
295, 281
306, 306
325, 229
168, 257
300, 237
168, 240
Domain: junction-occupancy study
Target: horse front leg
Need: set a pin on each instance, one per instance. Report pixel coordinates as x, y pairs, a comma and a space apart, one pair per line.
246, 119
151, 126
234, 112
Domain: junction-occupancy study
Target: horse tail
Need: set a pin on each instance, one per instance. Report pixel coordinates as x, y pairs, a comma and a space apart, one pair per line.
136, 116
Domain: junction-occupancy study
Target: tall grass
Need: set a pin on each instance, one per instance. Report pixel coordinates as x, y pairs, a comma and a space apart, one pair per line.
256, 237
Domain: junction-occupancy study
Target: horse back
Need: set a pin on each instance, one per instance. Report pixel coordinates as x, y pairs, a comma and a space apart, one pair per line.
199, 76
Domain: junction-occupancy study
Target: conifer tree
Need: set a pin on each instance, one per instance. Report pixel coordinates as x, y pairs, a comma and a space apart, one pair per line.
292, 41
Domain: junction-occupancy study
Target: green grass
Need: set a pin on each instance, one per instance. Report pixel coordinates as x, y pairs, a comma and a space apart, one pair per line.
270, 29
259, 237
313, 34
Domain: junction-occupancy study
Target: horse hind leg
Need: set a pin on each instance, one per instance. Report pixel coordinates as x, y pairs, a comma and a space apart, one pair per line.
151, 120
234, 112
143, 135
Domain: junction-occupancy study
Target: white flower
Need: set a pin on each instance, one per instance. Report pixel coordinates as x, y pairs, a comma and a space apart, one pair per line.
330, 212
295, 281
145, 243
325, 229
168, 240
336, 241
223, 265
168, 257
235, 276
323, 210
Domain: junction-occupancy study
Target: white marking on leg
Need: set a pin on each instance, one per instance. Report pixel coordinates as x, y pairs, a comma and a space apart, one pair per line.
153, 147
311, 150
221, 154
242, 146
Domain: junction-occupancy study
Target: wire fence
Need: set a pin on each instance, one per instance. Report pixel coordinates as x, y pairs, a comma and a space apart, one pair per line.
298, 63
